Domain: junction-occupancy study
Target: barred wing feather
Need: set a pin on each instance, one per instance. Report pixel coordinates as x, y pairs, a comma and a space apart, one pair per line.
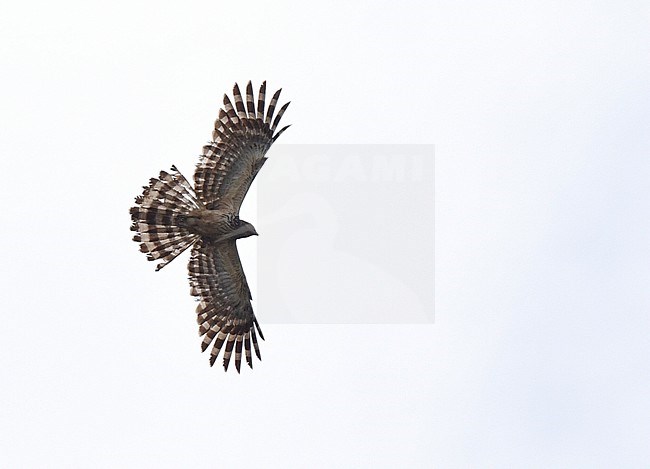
224, 313
241, 138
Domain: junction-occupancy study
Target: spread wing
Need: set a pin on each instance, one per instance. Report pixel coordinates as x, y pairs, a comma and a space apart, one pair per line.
242, 135
225, 313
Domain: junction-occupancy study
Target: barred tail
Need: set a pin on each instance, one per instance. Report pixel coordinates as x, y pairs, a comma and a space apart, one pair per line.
159, 217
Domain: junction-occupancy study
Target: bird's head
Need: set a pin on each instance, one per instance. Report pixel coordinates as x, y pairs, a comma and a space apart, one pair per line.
245, 230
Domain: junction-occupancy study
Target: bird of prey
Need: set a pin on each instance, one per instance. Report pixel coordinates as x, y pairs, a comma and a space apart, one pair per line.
171, 216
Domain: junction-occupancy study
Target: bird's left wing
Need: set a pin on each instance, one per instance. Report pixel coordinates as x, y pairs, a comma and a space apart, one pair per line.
242, 136
225, 314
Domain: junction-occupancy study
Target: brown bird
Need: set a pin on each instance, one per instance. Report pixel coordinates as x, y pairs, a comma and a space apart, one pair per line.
171, 216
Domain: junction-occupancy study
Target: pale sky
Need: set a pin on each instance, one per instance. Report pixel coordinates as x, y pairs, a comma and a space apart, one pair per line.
538, 357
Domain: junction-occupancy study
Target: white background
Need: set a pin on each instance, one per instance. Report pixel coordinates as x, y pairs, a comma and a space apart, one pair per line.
539, 354
348, 234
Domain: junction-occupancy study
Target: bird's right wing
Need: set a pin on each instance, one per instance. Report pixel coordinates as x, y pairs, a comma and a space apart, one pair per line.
225, 314
242, 136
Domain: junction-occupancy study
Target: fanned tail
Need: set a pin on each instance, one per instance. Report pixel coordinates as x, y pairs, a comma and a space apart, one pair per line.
159, 217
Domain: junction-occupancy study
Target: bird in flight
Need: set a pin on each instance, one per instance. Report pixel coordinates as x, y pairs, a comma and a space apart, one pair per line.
171, 216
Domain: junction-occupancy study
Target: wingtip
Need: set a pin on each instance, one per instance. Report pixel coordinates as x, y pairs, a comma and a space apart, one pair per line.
213, 359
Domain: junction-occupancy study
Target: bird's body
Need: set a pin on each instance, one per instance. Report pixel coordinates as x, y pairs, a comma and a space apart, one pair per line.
170, 216
218, 225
